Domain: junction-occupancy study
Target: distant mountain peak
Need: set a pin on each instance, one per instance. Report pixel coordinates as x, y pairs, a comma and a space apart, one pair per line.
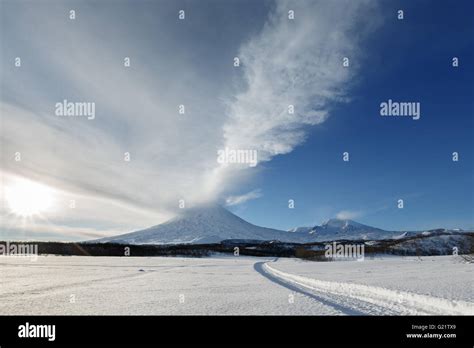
335, 228
339, 222
342, 224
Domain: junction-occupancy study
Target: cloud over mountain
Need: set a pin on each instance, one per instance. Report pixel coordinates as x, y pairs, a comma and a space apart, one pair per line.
173, 156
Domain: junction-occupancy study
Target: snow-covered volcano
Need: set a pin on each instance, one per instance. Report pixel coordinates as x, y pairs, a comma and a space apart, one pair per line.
202, 225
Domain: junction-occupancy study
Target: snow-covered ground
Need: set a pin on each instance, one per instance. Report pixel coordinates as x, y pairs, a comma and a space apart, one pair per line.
391, 285
234, 285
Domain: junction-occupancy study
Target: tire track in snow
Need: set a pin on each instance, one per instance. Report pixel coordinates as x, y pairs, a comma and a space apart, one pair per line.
357, 299
260, 268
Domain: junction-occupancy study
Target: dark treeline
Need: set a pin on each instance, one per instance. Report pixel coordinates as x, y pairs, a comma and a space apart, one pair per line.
314, 251
194, 250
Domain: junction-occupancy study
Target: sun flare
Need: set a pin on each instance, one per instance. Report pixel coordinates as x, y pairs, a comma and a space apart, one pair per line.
27, 198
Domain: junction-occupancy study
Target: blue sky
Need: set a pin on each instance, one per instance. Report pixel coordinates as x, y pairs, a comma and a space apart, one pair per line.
390, 158
190, 62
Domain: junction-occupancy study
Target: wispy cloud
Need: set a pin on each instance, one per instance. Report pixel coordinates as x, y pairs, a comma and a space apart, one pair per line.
235, 200
295, 62
348, 215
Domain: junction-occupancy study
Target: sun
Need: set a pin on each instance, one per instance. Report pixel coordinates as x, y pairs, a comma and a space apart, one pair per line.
27, 198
